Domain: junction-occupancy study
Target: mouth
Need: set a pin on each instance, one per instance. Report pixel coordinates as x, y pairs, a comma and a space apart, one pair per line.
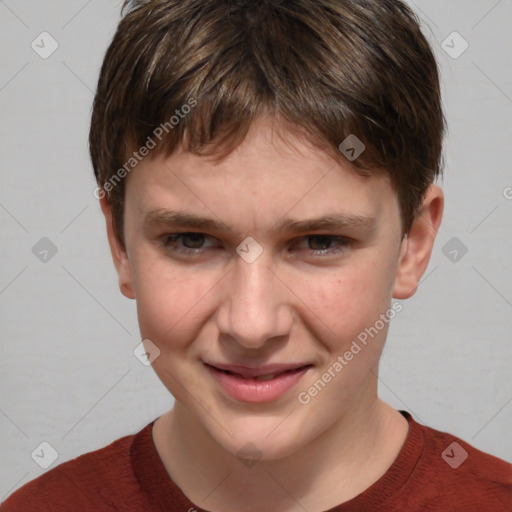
257, 384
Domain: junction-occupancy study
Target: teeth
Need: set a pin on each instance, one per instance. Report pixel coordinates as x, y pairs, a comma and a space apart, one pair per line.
265, 377
261, 377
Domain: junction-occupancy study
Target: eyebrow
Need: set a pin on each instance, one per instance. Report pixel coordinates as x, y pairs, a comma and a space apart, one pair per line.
185, 220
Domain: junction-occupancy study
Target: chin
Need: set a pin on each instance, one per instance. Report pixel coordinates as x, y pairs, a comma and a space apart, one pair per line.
262, 438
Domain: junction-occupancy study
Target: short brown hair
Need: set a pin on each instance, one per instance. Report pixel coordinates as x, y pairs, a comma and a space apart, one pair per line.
331, 68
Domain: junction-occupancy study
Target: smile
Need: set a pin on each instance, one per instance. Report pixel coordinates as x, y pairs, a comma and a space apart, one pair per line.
262, 384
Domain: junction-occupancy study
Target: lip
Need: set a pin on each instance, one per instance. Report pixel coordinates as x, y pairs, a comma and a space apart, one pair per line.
244, 383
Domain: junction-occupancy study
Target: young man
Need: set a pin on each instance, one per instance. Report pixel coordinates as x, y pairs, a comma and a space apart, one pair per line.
266, 171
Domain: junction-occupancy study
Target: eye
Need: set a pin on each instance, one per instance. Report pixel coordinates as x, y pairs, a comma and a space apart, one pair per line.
325, 245
195, 244
187, 243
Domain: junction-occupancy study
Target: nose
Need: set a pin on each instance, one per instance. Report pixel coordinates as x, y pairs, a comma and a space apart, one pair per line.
254, 309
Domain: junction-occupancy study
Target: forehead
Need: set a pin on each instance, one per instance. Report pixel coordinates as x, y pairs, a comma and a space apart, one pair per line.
274, 172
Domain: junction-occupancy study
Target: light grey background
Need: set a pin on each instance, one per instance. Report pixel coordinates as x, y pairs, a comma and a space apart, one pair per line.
67, 372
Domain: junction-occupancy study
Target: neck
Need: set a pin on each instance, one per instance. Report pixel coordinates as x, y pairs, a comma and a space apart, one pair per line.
338, 465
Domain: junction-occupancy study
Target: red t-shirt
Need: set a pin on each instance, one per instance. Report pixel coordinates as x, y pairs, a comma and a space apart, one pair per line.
431, 473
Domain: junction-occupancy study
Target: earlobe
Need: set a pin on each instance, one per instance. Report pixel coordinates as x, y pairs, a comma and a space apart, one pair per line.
417, 246
119, 254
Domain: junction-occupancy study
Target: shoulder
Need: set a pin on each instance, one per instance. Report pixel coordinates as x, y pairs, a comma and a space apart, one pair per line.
464, 477
97, 480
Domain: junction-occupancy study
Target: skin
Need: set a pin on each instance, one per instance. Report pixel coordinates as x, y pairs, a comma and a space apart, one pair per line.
291, 304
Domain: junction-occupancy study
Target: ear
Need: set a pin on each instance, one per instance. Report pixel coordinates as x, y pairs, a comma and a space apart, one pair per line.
418, 243
119, 254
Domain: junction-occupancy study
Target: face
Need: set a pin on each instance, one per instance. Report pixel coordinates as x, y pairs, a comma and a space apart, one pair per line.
253, 277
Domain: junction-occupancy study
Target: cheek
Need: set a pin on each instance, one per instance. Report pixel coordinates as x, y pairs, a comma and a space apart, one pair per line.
345, 304
174, 303
170, 301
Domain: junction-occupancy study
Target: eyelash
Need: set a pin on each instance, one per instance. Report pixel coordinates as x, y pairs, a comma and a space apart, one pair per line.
169, 240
